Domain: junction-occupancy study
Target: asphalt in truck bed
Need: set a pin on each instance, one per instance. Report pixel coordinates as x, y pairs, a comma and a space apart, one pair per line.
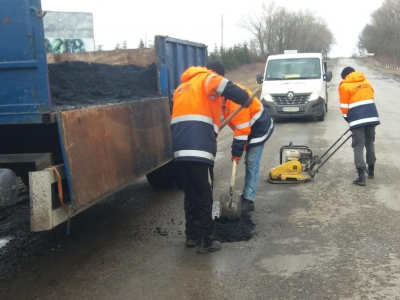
76, 84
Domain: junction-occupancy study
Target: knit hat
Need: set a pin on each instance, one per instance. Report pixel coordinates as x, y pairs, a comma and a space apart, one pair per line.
346, 71
216, 66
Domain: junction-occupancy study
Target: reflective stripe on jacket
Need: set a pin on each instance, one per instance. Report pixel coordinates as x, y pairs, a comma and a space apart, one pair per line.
196, 113
357, 101
252, 126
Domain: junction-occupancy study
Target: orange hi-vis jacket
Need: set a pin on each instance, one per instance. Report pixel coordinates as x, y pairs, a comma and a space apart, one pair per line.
357, 101
196, 113
252, 126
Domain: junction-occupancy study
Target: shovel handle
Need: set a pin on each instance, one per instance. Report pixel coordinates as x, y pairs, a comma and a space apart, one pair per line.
228, 119
238, 110
233, 175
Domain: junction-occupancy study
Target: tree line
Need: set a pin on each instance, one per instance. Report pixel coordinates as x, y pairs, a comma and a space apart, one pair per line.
276, 29
231, 57
382, 35
273, 30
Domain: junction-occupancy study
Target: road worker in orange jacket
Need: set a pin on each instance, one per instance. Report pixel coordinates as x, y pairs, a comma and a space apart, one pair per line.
194, 126
359, 110
252, 128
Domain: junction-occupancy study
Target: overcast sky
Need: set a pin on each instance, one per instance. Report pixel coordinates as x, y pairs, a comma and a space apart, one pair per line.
200, 21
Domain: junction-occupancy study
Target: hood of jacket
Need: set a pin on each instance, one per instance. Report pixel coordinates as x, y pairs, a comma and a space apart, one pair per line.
354, 77
193, 72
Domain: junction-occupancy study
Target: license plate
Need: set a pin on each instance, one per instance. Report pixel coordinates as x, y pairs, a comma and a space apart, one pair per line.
290, 108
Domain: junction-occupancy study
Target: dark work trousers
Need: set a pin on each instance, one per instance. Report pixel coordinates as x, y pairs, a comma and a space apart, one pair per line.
197, 179
363, 137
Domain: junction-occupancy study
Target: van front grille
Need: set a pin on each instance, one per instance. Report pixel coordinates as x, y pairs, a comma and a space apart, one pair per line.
282, 99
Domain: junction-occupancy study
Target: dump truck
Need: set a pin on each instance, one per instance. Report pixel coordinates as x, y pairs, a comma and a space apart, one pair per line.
72, 155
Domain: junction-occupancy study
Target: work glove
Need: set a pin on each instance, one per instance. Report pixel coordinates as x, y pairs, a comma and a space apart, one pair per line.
248, 102
235, 158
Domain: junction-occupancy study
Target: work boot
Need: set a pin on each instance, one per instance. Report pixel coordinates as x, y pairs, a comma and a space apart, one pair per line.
360, 180
370, 171
207, 245
247, 205
191, 242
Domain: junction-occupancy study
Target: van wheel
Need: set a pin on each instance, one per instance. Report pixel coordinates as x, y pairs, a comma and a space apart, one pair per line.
322, 116
327, 99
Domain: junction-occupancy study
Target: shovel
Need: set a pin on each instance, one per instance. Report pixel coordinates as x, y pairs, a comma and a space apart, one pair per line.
230, 203
238, 110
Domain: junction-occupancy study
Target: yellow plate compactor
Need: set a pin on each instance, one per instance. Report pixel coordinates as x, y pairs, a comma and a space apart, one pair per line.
299, 163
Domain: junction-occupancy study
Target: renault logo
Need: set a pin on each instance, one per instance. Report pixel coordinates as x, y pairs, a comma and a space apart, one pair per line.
290, 96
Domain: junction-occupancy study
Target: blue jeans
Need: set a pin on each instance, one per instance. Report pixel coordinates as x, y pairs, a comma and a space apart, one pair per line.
252, 175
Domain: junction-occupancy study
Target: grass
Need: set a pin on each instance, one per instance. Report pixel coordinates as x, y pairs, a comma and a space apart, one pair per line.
372, 62
246, 75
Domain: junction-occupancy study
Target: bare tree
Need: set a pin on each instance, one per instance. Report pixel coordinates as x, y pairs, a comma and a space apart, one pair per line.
278, 28
382, 36
255, 25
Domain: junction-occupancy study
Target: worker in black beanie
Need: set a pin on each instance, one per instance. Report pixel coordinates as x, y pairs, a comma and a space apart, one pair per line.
359, 110
346, 71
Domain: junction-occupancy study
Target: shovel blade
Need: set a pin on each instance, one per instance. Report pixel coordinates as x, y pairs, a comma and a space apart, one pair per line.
231, 206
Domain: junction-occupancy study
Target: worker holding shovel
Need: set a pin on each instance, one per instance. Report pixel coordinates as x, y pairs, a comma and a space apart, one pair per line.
194, 127
252, 127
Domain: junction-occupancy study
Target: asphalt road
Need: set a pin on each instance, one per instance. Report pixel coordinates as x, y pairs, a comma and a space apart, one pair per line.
327, 239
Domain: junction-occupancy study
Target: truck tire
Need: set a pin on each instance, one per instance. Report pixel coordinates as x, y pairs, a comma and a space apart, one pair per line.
166, 176
160, 179
8, 188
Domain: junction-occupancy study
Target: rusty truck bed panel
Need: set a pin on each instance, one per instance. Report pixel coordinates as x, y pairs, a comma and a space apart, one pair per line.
107, 147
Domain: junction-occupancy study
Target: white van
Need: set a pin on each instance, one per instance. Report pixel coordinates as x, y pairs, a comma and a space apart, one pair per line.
295, 85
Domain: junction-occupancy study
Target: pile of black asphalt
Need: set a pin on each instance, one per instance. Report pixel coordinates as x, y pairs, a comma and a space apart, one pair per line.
76, 84
234, 229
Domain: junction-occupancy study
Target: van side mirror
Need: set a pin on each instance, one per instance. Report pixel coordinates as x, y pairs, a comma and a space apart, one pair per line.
259, 78
328, 76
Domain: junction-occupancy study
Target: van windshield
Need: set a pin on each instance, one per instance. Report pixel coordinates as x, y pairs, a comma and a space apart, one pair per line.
293, 68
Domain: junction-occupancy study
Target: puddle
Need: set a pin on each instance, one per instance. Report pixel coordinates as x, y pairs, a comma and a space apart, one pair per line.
289, 264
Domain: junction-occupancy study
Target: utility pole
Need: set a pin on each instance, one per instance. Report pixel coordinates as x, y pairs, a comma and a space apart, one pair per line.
222, 32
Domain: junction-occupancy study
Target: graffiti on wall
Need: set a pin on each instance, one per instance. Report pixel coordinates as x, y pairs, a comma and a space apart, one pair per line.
68, 32
65, 45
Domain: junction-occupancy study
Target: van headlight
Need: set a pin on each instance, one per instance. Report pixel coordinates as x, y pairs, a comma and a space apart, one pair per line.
268, 97
314, 96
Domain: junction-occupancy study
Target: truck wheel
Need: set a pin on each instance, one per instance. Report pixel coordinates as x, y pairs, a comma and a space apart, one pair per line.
8, 188
160, 178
